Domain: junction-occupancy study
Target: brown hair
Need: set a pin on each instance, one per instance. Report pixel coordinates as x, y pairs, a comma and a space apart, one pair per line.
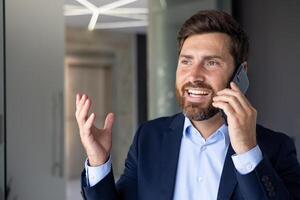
209, 21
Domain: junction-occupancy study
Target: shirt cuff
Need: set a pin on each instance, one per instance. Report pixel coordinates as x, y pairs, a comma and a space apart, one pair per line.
246, 162
95, 174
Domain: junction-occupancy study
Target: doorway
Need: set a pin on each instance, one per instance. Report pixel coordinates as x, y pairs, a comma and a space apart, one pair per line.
94, 78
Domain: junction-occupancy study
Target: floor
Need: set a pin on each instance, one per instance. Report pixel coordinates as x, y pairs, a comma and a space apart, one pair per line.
73, 190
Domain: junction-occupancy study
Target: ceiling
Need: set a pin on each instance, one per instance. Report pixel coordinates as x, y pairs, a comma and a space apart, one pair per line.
120, 15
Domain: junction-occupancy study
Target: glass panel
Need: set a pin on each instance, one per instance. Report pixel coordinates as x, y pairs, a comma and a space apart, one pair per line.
2, 161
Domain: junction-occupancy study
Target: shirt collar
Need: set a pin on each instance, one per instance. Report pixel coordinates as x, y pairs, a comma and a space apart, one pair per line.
189, 131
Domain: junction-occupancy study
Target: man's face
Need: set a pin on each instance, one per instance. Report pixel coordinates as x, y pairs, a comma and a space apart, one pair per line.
205, 66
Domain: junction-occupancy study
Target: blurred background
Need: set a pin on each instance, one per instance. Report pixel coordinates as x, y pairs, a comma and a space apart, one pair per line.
123, 54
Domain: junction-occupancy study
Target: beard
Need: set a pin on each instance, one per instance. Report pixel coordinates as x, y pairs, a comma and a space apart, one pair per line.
196, 111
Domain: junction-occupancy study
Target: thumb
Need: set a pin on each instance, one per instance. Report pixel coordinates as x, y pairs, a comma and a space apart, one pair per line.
109, 120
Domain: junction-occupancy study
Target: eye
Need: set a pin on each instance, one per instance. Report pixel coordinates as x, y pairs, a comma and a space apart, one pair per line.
185, 62
212, 63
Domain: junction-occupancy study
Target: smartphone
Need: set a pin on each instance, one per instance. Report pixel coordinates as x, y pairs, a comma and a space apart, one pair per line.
240, 78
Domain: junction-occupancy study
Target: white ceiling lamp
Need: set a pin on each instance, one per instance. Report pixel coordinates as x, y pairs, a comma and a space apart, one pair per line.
87, 4
111, 9
72, 11
115, 4
93, 20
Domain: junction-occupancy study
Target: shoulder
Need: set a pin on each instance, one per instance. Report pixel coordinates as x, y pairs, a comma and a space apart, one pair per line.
158, 126
264, 134
272, 142
162, 123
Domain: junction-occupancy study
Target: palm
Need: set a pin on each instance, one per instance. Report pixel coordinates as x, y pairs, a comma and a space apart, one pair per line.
100, 140
97, 142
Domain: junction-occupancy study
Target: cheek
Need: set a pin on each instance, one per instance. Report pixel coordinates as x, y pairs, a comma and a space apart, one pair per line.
222, 83
217, 83
182, 74
179, 78
178, 85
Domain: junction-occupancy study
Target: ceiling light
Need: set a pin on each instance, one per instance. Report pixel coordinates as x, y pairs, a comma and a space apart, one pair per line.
93, 20
111, 9
76, 10
87, 4
115, 4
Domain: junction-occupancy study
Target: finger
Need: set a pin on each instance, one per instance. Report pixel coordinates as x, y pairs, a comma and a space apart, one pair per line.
90, 121
83, 99
78, 97
234, 86
109, 121
84, 111
232, 100
240, 96
225, 107
81, 103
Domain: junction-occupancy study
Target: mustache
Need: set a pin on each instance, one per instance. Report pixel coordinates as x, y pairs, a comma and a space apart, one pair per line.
195, 84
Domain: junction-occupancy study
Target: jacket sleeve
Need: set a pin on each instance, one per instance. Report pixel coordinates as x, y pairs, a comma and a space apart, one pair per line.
126, 186
278, 181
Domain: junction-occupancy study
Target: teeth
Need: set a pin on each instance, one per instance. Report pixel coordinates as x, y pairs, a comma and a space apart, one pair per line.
197, 92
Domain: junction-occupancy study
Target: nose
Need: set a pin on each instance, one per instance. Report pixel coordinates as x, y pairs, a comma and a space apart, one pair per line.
196, 74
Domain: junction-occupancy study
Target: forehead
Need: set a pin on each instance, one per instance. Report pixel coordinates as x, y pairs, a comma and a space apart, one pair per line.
207, 43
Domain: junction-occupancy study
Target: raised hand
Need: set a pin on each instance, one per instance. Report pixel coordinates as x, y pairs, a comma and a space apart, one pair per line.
97, 142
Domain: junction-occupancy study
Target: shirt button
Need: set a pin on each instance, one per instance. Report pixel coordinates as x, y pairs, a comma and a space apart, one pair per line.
203, 148
265, 178
200, 179
249, 167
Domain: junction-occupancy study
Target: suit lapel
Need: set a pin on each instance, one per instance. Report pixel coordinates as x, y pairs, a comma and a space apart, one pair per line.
169, 158
228, 178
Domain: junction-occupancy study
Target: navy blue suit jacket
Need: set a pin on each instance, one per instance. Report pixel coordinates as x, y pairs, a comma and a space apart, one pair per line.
151, 164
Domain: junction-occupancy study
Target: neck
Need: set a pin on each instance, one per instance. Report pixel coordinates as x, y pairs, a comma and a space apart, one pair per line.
209, 126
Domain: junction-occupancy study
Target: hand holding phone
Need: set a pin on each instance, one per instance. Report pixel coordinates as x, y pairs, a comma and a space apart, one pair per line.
240, 78
241, 115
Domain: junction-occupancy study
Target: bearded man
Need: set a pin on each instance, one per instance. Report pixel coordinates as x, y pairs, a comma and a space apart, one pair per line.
196, 154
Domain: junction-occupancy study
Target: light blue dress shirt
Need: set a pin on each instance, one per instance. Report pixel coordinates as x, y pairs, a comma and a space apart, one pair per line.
200, 164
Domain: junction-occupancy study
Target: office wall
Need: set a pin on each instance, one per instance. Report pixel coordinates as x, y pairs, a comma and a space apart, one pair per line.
2, 116
273, 28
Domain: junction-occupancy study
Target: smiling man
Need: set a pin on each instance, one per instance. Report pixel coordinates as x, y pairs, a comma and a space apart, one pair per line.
195, 154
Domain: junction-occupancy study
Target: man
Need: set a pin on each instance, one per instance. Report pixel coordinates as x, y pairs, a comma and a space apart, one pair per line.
195, 154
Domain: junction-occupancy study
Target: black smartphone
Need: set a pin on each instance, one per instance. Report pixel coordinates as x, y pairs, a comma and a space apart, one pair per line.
240, 78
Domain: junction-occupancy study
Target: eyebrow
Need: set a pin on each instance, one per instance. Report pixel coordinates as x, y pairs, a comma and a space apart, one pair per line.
204, 58
212, 57
186, 56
